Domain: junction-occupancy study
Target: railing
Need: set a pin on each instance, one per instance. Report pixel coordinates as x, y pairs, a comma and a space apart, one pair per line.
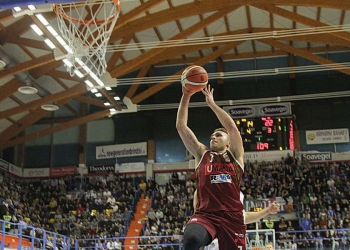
18, 236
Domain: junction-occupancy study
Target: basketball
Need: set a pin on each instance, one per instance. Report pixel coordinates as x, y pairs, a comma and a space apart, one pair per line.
194, 78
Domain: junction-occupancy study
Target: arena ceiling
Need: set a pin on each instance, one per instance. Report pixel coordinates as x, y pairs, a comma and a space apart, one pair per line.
252, 29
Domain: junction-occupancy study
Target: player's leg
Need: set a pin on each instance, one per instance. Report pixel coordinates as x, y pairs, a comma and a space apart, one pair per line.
196, 236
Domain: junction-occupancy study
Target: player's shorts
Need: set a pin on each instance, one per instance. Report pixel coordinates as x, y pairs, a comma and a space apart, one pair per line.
228, 227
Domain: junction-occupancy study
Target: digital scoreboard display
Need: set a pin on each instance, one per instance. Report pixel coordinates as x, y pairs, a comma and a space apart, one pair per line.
266, 133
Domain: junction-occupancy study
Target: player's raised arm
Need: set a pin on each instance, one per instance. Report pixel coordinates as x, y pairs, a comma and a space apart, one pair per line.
188, 137
236, 144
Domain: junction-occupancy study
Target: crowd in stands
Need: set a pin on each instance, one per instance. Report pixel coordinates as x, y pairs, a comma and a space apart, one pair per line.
102, 207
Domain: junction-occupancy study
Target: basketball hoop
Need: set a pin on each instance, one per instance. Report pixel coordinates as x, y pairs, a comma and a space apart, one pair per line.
87, 27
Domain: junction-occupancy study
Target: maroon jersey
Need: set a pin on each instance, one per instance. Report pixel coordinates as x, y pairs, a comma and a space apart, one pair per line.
218, 182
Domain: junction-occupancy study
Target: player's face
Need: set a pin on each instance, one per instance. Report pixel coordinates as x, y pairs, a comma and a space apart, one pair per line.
219, 141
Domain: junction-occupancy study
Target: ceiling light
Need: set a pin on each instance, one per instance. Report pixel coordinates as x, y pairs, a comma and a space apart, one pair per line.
67, 63
78, 73
94, 90
69, 50
27, 90
52, 30
42, 19
61, 40
49, 107
117, 98
98, 95
108, 88
49, 43
17, 9
88, 83
107, 104
31, 7
37, 29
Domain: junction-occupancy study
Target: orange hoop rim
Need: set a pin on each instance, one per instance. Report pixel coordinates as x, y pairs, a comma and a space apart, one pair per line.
60, 12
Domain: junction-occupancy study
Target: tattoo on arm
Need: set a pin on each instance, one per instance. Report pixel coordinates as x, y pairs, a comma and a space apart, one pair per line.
189, 136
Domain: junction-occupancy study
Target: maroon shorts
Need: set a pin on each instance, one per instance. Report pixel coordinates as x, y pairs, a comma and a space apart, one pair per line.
228, 227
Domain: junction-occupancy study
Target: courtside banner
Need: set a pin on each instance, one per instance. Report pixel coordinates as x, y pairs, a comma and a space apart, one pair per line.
130, 167
122, 150
327, 136
272, 109
266, 156
15, 170
63, 171
36, 172
4, 165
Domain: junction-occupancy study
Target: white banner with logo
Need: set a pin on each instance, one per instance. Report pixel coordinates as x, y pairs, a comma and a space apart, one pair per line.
130, 167
36, 172
272, 109
266, 156
318, 156
15, 170
122, 150
4, 165
327, 136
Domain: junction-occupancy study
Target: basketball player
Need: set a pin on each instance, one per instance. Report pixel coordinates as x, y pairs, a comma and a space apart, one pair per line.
249, 217
219, 171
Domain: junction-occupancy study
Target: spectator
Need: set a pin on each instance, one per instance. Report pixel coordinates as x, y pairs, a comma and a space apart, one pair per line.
269, 224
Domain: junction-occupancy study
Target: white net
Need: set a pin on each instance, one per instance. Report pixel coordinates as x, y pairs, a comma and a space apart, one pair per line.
86, 28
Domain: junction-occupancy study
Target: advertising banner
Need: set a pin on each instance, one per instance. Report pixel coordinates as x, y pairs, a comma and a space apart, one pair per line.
267, 156
122, 150
4, 165
318, 156
272, 109
36, 172
131, 167
259, 204
101, 169
327, 136
15, 170
63, 171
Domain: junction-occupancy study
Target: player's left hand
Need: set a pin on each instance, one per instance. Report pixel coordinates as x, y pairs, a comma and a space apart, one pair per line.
274, 208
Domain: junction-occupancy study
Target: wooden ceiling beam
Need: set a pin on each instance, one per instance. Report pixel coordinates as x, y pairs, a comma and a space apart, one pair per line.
57, 128
192, 9
136, 12
302, 19
79, 88
159, 86
28, 120
154, 53
9, 88
25, 66
32, 43
142, 73
304, 54
110, 99
91, 101
116, 55
6, 15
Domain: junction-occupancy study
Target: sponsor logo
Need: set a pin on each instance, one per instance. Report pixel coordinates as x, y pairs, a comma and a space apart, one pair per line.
238, 112
318, 156
94, 169
194, 219
220, 168
35, 173
221, 178
273, 109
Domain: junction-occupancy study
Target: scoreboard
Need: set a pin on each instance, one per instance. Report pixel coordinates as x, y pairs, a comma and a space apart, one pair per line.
266, 133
